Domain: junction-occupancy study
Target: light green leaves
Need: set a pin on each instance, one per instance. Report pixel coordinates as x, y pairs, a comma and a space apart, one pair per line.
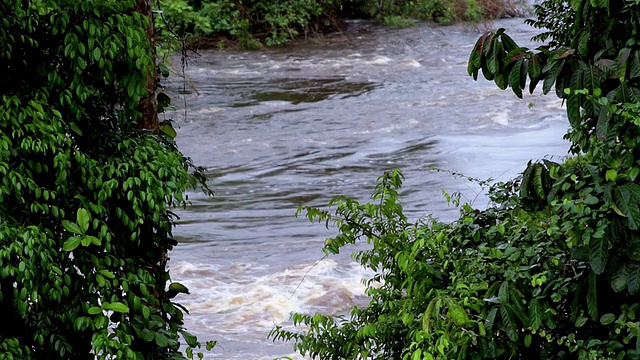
176, 286
79, 228
68, 143
71, 243
168, 129
115, 306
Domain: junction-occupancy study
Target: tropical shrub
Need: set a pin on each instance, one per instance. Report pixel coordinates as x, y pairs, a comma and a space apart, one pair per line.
87, 184
551, 270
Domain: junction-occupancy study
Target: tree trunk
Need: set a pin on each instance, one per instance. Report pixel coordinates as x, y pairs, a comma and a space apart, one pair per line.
149, 105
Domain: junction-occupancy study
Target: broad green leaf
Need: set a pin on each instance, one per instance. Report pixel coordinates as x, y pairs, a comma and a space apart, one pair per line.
83, 217
503, 293
426, 317
626, 198
75, 128
634, 69
634, 279
583, 41
97, 54
71, 227
550, 74
474, 64
491, 318
534, 69
94, 240
116, 306
457, 314
607, 319
526, 180
501, 81
146, 335
71, 243
620, 278
94, 310
86, 241
508, 42
487, 45
164, 70
475, 59
190, 339
496, 58
176, 286
161, 340
535, 314
602, 126
107, 273
574, 100
539, 180
598, 253
592, 296
514, 78
621, 63
511, 326
166, 128
581, 321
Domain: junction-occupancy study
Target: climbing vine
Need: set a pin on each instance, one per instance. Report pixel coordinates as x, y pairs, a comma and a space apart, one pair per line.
86, 188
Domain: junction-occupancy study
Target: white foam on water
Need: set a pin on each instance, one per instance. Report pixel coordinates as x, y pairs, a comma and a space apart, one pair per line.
245, 301
381, 60
412, 63
501, 116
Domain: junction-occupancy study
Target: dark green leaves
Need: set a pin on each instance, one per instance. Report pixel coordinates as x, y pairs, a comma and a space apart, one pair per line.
627, 199
598, 253
74, 75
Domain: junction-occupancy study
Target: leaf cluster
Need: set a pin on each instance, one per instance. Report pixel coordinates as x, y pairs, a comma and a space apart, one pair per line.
85, 196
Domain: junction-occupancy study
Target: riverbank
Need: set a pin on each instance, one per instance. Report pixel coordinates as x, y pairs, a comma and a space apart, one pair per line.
223, 24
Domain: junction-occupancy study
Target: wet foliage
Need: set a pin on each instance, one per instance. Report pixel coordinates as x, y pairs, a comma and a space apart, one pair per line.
250, 24
85, 193
551, 269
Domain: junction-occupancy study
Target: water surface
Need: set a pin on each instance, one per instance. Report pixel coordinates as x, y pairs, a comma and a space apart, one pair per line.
297, 125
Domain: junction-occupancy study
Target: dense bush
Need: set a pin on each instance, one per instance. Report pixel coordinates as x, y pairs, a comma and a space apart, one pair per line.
276, 22
551, 270
86, 188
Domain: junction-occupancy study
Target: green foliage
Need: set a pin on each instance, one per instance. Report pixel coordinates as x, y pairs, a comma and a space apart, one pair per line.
85, 196
274, 22
551, 270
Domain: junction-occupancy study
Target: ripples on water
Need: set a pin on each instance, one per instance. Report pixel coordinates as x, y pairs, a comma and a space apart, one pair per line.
297, 125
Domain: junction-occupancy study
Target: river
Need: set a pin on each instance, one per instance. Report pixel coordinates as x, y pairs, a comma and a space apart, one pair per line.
296, 125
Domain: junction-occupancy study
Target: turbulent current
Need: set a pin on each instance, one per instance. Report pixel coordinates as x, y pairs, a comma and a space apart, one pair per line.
297, 125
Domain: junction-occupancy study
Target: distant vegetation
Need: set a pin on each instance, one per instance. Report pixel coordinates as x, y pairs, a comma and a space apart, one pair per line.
251, 24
